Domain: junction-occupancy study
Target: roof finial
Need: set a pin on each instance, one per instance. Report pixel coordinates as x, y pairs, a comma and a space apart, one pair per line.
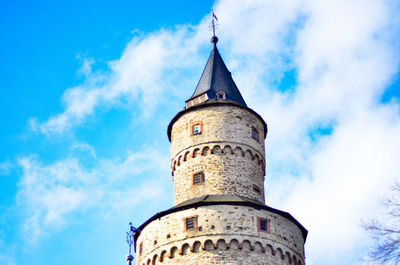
214, 27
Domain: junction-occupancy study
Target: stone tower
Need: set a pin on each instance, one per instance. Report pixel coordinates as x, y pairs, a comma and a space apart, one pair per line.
218, 168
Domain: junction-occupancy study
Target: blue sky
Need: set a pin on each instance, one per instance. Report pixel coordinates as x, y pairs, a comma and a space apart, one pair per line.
88, 89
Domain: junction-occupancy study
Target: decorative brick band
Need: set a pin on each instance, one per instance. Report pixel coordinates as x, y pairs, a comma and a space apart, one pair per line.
217, 150
221, 244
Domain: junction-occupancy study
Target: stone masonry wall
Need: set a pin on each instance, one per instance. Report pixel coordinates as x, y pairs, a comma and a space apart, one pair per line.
232, 161
225, 234
226, 171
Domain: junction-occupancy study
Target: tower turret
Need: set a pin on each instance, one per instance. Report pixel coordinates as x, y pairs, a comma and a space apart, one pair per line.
217, 142
218, 168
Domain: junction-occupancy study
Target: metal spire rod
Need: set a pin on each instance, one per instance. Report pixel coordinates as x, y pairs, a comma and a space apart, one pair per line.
130, 239
214, 25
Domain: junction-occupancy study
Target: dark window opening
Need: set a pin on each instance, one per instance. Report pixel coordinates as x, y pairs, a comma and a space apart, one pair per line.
190, 223
254, 134
198, 178
221, 95
263, 225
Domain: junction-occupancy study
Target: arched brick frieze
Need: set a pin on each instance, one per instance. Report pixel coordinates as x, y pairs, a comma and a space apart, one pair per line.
222, 244
205, 151
196, 152
186, 156
196, 247
185, 249
258, 247
154, 260
216, 150
173, 251
163, 254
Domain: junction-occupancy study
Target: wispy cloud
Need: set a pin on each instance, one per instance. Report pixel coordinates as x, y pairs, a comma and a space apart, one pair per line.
86, 67
7, 257
342, 55
5, 167
49, 194
148, 68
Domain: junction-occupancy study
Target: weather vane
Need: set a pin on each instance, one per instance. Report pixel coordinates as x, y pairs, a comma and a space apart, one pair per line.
130, 239
214, 22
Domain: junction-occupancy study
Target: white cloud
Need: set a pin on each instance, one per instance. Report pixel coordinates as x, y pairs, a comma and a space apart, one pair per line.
344, 61
344, 54
147, 68
86, 68
349, 171
49, 194
84, 147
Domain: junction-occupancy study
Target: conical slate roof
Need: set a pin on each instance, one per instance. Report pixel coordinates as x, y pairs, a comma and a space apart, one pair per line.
217, 78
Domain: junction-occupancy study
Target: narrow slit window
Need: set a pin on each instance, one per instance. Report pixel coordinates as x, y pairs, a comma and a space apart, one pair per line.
198, 178
191, 223
254, 134
140, 248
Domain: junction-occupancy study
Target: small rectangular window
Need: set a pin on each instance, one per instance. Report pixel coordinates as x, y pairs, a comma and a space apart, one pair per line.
254, 134
196, 128
263, 225
191, 223
198, 178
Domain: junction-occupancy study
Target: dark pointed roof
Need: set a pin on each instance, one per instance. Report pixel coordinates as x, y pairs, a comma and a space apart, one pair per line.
216, 78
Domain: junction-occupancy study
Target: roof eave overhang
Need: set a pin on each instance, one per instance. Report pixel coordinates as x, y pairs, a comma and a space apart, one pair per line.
256, 206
